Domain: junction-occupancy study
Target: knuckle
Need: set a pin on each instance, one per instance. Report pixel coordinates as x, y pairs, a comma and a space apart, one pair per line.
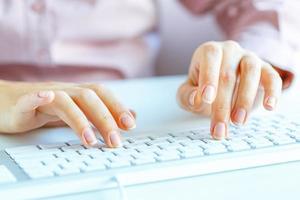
97, 87
232, 44
250, 64
80, 121
245, 102
60, 95
227, 76
210, 48
221, 110
86, 93
108, 118
102, 90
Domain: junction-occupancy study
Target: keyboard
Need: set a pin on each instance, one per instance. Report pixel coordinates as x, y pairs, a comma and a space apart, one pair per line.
151, 157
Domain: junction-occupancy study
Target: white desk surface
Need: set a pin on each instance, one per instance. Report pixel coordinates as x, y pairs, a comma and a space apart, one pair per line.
154, 101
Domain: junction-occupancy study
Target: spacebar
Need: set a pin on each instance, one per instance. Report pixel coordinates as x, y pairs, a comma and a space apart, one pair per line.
208, 167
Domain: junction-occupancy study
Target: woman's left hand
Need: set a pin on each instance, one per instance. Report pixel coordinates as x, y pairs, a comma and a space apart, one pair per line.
223, 82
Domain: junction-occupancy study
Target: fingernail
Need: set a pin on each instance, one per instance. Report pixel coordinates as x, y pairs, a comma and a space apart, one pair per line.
44, 94
271, 102
115, 139
219, 131
192, 98
89, 136
240, 116
127, 121
208, 94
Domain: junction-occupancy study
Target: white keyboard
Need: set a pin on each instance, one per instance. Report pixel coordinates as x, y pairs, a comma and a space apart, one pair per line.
246, 147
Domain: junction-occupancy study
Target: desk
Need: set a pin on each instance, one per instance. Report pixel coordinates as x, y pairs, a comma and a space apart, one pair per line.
154, 101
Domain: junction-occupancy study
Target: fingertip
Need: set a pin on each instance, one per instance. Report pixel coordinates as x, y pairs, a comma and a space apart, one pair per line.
89, 137
208, 94
133, 113
115, 139
270, 103
127, 121
192, 98
219, 131
46, 95
239, 116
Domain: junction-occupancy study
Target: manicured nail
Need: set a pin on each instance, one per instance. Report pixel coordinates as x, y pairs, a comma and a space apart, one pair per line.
192, 98
45, 94
271, 102
219, 131
208, 94
89, 136
240, 116
127, 121
115, 139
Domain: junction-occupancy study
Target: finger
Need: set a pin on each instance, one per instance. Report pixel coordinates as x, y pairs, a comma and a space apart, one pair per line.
209, 57
189, 98
29, 102
250, 72
66, 109
25, 117
221, 107
272, 84
133, 113
97, 112
122, 115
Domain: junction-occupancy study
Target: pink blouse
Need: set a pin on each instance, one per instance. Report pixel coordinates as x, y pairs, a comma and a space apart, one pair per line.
79, 40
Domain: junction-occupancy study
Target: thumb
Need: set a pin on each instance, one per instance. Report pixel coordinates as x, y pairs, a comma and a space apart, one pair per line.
30, 102
189, 98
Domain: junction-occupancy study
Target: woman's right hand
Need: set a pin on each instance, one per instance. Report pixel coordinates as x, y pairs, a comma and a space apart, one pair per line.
27, 106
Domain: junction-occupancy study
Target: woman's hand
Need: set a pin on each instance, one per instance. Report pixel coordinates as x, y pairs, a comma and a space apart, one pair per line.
27, 106
223, 82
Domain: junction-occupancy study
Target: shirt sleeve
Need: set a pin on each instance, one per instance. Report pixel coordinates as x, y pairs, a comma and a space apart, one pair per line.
270, 28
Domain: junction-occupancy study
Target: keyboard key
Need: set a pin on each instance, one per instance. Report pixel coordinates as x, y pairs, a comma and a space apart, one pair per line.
158, 142
90, 168
239, 146
73, 148
89, 151
39, 154
170, 146
120, 163
30, 164
280, 139
261, 142
139, 140
52, 146
141, 161
35, 174
215, 150
22, 149
167, 157
74, 142
66, 171
5, 175
182, 134
67, 154
190, 152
